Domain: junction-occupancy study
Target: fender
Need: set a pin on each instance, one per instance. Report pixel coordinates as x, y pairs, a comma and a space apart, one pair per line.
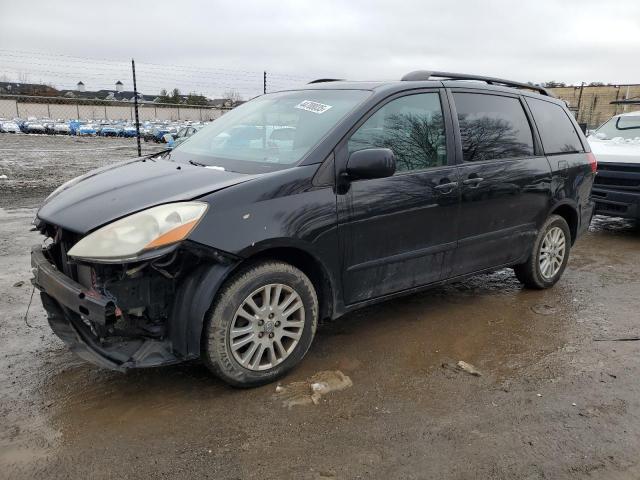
314, 262
192, 302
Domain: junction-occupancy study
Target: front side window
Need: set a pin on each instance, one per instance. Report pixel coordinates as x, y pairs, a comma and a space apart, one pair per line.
271, 132
557, 132
492, 127
412, 127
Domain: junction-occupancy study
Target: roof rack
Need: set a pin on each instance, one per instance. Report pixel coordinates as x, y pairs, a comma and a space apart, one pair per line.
323, 80
419, 75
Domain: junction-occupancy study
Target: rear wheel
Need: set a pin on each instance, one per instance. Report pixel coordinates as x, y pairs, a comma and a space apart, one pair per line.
262, 324
549, 255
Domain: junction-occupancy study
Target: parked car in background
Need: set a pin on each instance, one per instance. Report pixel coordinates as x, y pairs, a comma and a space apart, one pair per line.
8, 126
48, 126
157, 134
129, 131
616, 145
109, 131
87, 129
61, 129
231, 251
182, 134
33, 127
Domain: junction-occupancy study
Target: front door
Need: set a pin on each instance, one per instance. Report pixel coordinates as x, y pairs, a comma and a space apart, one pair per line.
398, 232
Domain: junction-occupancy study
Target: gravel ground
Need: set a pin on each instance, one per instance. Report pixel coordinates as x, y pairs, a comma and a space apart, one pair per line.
558, 396
37, 164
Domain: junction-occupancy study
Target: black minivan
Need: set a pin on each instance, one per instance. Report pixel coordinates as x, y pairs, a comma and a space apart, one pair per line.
302, 205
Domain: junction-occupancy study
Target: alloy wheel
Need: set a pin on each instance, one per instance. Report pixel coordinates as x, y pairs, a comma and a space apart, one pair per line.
552, 252
267, 327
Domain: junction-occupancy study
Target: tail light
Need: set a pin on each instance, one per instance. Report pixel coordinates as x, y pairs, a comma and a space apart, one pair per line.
593, 163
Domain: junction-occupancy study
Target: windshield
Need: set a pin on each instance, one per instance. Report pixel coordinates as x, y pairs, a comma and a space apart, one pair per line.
626, 127
269, 133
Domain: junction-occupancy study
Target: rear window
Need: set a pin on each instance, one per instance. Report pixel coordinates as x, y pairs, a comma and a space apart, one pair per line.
492, 127
556, 129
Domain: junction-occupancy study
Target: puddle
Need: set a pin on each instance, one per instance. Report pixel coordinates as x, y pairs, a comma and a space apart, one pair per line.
311, 390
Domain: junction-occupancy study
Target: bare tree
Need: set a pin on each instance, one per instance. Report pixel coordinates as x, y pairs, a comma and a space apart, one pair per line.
233, 95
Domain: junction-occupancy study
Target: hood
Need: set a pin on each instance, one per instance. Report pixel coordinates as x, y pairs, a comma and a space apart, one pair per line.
107, 194
616, 150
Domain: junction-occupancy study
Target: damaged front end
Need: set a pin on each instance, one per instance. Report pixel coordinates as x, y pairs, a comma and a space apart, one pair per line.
130, 315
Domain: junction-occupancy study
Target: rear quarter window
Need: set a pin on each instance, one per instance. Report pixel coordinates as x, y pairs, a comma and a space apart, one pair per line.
556, 129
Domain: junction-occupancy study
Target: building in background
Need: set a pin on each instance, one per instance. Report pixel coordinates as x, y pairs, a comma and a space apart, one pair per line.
594, 106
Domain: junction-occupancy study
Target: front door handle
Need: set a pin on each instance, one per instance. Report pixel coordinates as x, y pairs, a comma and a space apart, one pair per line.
473, 181
446, 187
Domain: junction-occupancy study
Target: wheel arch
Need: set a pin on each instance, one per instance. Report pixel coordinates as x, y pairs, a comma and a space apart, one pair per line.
307, 263
570, 214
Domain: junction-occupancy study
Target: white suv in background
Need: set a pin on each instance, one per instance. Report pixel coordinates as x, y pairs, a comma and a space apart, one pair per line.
616, 145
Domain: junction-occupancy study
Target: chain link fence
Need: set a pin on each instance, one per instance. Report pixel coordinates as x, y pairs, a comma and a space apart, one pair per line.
65, 109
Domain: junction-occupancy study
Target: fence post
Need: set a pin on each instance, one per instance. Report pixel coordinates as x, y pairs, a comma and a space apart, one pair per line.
264, 82
135, 105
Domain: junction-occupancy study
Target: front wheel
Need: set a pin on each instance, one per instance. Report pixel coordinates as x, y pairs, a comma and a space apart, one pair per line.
262, 324
549, 255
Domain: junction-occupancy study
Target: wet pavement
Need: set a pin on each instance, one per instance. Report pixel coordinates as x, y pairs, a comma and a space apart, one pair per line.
558, 396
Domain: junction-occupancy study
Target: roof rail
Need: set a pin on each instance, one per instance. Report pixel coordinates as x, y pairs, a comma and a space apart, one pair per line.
323, 80
429, 75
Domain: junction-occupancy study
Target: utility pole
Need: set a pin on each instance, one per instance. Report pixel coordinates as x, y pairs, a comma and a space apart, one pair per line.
135, 106
264, 83
579, 102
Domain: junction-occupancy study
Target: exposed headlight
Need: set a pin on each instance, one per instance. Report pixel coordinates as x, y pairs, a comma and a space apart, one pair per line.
130, 237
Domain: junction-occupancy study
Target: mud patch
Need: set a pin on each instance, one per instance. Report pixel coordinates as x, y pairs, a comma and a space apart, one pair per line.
543, 309
311, 390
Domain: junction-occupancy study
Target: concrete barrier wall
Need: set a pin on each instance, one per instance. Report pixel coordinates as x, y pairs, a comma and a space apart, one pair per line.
68, 111
595, 104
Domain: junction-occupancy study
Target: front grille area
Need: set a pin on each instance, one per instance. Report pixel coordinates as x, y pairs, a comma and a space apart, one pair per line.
611, 207
618, 176
618, 182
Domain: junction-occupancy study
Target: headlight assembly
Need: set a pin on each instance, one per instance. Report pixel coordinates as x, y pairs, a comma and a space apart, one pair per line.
140, 233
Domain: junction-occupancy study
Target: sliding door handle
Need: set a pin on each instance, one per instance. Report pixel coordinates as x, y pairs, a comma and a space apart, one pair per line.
473, 181
446, 187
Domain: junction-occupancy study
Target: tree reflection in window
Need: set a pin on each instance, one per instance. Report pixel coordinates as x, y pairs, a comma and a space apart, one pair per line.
492, 127
412, 127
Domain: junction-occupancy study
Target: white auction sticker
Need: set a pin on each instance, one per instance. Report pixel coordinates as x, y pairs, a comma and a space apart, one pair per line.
311, 106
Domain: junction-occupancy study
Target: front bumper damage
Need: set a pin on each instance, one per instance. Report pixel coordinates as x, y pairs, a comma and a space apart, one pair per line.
148, 320
72, 309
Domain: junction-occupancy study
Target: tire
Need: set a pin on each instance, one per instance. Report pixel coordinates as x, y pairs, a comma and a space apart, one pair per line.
225, 361
530, 273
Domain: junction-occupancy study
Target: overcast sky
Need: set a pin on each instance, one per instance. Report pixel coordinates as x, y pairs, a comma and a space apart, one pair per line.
215, 43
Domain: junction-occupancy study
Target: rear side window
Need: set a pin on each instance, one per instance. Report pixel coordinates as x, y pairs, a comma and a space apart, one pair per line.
556, 129
492, 127
412, 127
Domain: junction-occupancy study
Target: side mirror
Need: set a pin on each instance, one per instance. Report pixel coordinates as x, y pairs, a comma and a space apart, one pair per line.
371, 163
